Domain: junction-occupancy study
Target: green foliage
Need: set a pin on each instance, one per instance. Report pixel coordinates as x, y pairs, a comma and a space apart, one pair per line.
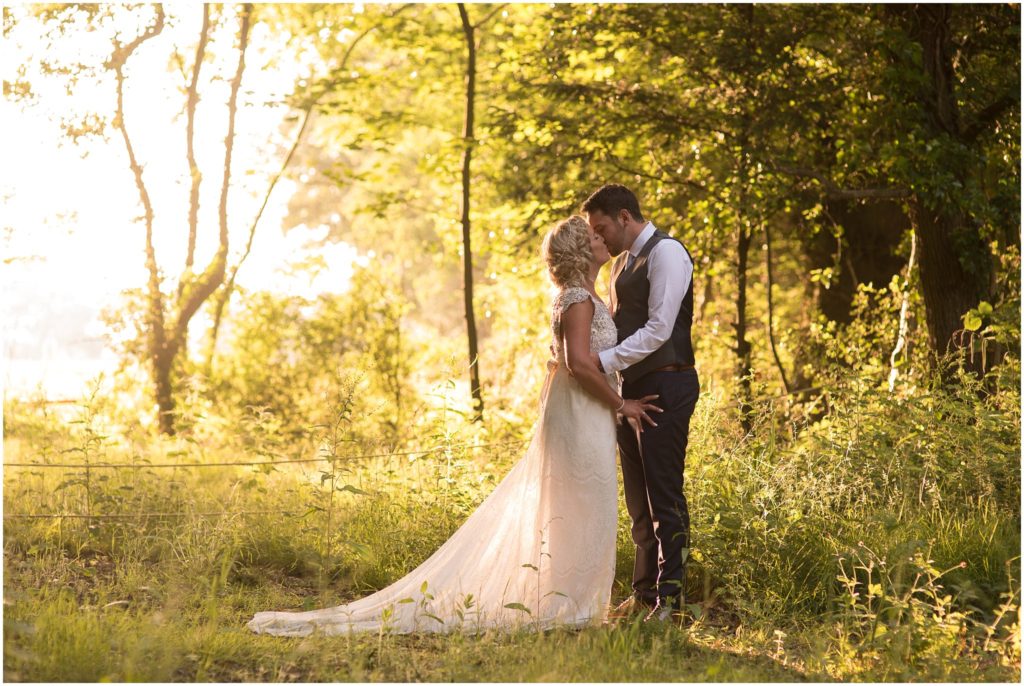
902, 613
853, 533
819, 556
865, 345
292, 359
886, 470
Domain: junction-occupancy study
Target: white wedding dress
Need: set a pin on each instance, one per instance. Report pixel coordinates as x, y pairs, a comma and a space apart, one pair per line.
538, 552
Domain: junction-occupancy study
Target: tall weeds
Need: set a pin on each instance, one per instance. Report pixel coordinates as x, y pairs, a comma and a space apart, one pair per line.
880, 542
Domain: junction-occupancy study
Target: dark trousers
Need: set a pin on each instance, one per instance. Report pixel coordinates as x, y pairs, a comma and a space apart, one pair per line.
652, 477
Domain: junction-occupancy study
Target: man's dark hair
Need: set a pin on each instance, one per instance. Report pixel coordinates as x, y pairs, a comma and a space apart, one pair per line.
611, 198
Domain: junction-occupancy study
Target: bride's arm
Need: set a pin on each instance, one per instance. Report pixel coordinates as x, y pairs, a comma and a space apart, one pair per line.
576, 330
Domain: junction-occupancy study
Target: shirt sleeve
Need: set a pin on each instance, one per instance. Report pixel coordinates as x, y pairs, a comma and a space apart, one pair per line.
669, 271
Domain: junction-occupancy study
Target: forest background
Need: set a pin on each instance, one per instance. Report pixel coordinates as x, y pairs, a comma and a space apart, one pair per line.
846, 177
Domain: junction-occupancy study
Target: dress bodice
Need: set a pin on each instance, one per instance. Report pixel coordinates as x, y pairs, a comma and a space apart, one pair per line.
602, 329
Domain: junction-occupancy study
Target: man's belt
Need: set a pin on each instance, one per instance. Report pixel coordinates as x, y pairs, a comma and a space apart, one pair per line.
674, 368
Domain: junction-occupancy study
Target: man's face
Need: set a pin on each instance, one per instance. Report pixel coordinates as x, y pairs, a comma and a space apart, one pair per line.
610, 229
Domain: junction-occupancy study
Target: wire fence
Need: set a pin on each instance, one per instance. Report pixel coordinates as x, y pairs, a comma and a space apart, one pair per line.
325, 458
243, 463
333, 459
224, 513
130, 515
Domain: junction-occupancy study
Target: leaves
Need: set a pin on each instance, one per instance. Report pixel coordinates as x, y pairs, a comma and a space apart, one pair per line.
972, 321
518, 606
351, 489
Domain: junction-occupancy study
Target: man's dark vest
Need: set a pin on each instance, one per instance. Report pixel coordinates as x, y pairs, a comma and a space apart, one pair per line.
630, 292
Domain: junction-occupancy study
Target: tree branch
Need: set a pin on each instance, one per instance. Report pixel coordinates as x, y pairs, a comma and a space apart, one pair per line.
193, 169
121, 52
310, 105
618, 164
489, 15
834, 192
155, 307
158, 352
988, 116
225, 293
213, 275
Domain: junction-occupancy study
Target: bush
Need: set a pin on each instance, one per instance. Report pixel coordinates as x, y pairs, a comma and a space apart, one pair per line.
939, 468
290, 360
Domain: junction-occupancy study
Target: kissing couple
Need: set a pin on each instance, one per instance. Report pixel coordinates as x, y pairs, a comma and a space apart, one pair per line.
539, 552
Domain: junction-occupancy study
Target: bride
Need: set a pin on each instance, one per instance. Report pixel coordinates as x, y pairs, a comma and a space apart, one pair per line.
540, 550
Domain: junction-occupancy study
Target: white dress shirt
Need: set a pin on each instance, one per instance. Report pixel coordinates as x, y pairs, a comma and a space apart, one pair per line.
669, 271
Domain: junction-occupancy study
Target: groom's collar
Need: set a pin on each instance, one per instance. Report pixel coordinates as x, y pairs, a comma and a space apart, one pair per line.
641, 240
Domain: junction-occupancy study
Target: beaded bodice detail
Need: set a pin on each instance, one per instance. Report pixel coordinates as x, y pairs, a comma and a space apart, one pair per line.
603, 334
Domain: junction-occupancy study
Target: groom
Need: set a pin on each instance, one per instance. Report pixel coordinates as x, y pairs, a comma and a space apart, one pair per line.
652, 305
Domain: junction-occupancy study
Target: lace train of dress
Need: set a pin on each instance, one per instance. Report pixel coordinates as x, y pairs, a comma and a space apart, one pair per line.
538, 552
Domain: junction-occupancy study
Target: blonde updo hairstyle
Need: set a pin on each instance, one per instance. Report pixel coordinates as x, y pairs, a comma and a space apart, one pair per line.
566, 251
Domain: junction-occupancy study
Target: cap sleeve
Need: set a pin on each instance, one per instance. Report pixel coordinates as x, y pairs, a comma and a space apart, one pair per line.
570, 296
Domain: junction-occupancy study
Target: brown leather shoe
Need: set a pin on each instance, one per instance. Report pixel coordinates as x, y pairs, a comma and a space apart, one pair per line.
628, 608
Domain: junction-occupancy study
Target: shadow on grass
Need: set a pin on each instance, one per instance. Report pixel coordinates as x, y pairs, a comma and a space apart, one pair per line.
634, 652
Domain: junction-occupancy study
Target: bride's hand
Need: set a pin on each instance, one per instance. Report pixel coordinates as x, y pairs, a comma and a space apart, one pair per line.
636, 412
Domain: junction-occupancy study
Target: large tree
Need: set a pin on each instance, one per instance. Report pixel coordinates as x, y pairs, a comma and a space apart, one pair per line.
961, 90
687, 104
932, 118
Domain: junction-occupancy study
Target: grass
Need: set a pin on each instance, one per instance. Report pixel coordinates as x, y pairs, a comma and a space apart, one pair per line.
822, 557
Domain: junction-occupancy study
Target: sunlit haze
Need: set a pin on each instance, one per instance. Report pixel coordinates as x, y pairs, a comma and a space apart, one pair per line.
72, 238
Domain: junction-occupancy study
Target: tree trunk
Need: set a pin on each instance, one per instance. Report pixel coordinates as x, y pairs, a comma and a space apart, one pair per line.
467, 256
223, 295
947, 289
198, 290
871, 234
156, 333
744, 366
707, 294
954, 260
744, 363
195, 177
769, 281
